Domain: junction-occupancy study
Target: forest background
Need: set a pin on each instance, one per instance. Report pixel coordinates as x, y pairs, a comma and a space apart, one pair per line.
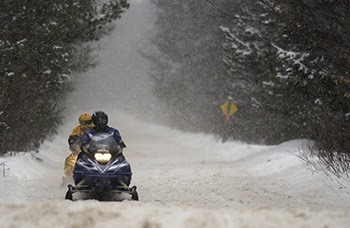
284, 63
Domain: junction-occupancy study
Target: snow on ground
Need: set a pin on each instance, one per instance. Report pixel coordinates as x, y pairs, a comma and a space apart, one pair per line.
183, 179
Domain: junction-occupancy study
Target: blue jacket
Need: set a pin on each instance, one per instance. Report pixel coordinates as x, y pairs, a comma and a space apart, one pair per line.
90, 133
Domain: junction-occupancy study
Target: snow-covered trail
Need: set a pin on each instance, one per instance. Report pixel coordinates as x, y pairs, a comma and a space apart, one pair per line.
184, 180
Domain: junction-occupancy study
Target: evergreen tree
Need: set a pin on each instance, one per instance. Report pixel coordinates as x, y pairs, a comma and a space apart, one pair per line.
41, 43
309, 78
285, 63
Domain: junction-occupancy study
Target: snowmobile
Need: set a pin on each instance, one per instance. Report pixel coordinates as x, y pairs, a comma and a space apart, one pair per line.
102, 169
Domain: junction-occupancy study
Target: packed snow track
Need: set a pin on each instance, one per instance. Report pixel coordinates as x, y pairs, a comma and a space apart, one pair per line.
184, 180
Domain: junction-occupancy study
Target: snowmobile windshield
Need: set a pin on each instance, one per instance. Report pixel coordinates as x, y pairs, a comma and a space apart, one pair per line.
103, 142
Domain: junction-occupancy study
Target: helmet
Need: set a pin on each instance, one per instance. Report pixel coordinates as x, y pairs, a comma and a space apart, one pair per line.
100, 119
85, 121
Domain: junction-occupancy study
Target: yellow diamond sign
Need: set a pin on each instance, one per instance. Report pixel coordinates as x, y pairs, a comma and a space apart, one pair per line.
229, 108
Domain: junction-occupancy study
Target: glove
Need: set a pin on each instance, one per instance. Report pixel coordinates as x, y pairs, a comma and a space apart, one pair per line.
74, 144
73, 140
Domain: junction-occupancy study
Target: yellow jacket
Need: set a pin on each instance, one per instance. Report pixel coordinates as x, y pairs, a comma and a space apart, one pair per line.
78, 131
75, 136
74, 146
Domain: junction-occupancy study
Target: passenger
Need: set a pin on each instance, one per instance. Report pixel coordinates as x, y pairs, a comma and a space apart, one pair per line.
74, 142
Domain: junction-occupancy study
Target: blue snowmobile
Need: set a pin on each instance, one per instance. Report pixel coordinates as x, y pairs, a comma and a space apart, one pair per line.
102, 169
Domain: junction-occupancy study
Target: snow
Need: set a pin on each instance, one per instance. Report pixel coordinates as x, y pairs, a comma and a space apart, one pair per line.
10, 74
252, 31
48, 71
296, 58
269, 83
318, 101
183, 179
55, 47
94, 214
20, 42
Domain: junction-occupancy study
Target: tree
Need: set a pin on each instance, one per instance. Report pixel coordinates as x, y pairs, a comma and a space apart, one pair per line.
42, 43
187, 63
285, 63
309, 77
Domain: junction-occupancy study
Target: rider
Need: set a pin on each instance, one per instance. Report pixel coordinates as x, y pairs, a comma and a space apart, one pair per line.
100, 121
74, 141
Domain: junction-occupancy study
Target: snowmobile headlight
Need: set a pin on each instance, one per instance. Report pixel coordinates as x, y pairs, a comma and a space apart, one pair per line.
102, 157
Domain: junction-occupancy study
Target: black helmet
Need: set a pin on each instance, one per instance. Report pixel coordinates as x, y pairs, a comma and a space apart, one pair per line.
100, 119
